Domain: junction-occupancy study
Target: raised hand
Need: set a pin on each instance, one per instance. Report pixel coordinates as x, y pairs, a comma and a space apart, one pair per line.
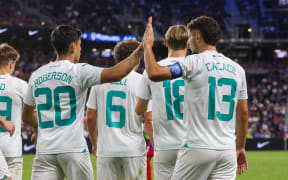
148, 38
241, 161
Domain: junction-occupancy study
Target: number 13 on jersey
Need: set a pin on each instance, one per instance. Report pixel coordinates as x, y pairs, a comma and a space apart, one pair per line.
225, 98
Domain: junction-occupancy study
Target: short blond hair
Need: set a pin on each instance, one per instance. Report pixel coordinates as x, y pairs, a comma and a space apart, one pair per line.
177, 37
7, 53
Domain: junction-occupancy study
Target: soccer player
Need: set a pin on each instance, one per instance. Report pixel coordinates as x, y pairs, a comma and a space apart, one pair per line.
120, 143
12, 92
58, 91
215, 104
4, 169
167, 102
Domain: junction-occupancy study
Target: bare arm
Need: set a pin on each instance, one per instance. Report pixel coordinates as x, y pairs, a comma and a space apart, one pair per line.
148, 126
141, 106
241, 129
154, 71
92, 128
28, 116
242, 123
7, 125
120, 70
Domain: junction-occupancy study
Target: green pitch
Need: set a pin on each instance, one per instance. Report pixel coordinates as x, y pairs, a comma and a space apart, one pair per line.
264, 165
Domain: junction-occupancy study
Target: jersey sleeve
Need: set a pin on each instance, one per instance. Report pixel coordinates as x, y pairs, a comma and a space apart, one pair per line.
92, 100
189, 67
24, 89
243, 88
89, 75
144, 90
29, 98
149, 107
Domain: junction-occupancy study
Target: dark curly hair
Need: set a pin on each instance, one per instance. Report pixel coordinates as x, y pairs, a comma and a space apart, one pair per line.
123, 49
208, 27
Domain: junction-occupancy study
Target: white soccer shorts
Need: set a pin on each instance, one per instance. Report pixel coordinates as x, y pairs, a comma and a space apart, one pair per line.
73, 166
4, 171
122, 168
203, 164
15, 165
164, 162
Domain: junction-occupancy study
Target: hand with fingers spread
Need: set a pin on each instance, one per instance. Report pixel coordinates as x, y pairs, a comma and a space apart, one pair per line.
7, 125
148, 38
241, 161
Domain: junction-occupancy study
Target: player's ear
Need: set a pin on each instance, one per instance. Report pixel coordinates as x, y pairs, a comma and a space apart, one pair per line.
198, 36
166, 43
72, 47
11, 64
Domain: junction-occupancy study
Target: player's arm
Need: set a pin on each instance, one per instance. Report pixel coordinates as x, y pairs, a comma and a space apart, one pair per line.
241, 129
148, 126
156, 72
29, 117
141, 106
92, 128
7, 125
120, 70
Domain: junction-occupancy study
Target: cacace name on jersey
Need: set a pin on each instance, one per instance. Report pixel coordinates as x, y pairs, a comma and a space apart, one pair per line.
120, 132
12, 92
58, 90
167, 102
214, 84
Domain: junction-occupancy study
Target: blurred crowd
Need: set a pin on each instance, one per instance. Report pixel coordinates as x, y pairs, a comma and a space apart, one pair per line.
267, 104
272, 25
103, 15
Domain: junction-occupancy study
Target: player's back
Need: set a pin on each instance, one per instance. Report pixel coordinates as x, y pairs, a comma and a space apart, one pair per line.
120, 132
59, 90
214, 85
12, 91
167, 103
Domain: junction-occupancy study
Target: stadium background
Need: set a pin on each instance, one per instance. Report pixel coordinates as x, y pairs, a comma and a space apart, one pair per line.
254, 33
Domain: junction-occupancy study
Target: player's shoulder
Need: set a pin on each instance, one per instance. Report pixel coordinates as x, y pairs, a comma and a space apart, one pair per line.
17, 80
41, 69
135, 75
170, 60
236, 65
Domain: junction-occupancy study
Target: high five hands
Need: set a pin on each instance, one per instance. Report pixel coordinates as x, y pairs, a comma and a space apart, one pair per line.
148, 38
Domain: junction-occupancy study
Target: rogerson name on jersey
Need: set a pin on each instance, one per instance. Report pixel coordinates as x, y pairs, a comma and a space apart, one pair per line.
53, 75
220, 67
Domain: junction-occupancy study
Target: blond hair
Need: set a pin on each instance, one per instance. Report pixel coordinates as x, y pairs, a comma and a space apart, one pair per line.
7, 53
177, 37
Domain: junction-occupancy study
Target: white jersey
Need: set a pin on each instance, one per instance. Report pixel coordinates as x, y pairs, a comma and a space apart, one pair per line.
12, 92
214, 84
167, 102
58, 90
120, 132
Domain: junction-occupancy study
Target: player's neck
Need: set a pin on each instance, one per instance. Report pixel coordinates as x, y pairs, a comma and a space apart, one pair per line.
207, 48
4, 70
65, 57
177, 53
